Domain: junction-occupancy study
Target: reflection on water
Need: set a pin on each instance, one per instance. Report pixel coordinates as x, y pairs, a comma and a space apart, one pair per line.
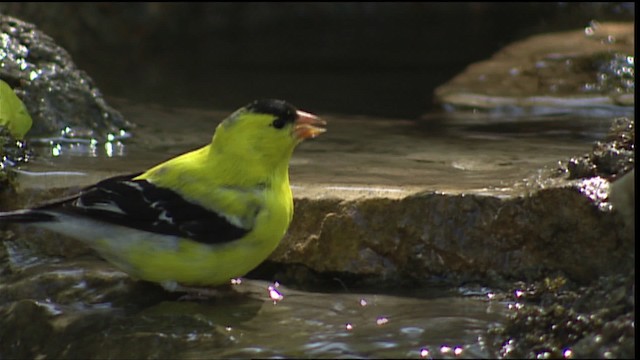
307, 324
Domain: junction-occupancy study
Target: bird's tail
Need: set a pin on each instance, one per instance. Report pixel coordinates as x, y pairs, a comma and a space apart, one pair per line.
26, 216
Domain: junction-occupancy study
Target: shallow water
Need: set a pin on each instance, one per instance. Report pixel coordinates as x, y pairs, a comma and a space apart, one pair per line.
108, 314
348, 325
444, 153
246, 322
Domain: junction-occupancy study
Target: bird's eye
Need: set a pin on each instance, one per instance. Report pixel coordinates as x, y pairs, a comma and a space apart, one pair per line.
278, 123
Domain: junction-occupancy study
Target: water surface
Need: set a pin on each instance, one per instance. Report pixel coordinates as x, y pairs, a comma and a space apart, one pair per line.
472, 152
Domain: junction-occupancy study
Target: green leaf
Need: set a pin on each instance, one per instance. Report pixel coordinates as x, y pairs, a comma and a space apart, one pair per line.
13, 114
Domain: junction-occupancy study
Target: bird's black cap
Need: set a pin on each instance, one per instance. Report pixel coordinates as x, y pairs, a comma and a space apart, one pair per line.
279, 108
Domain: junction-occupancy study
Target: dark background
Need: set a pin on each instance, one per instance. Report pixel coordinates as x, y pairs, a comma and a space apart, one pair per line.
376, 59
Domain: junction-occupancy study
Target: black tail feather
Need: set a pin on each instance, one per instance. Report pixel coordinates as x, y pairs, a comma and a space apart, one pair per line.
25, 216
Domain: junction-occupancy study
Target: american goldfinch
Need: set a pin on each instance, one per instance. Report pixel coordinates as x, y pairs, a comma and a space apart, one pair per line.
199, 219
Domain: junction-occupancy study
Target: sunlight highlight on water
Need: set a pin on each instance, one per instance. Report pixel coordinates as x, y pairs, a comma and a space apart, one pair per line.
567, 354
457, 350
274, 294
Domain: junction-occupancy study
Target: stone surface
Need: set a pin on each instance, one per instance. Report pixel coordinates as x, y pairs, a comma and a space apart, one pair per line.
555, 319
457, 237
586, 69
56, 93
611, 158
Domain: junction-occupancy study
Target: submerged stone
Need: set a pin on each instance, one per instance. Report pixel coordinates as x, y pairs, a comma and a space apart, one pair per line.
98, 328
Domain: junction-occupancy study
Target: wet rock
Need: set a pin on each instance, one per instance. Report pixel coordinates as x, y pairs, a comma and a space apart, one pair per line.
56, 93
592, 68
610, 158
556, 319
458, 237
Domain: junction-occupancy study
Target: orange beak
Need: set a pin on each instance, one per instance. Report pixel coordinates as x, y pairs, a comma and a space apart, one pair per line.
307, 126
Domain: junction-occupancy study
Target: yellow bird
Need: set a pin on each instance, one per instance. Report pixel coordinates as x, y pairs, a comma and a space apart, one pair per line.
198, 219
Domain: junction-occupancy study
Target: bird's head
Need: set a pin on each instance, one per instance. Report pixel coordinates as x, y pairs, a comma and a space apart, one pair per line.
266, 131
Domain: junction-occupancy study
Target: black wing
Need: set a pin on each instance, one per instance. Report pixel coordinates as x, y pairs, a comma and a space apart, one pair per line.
144, 206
